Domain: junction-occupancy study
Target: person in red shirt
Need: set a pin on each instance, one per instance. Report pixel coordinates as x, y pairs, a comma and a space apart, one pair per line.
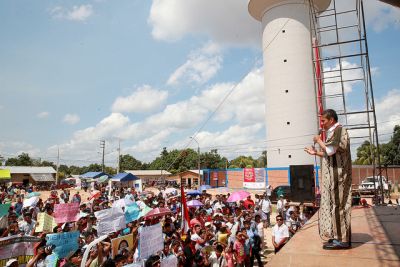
248, 203
197, 220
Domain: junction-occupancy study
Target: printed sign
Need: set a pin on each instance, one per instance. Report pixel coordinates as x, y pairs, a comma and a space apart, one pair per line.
4, 209
65, 243
17, 247
254, 178
120, 243
45, 223
110, 220
67, 212
151, 240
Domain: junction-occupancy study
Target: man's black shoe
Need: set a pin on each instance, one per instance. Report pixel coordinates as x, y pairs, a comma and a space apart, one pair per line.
336, 245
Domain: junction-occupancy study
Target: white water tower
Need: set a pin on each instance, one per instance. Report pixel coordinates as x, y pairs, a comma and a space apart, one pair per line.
291, 104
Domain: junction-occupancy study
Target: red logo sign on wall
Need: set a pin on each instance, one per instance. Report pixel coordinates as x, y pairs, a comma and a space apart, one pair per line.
215, 176
249, 175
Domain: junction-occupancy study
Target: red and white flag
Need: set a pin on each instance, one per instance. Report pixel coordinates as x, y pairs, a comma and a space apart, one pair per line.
184, 213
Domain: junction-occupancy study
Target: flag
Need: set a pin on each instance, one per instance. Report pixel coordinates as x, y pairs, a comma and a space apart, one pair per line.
184, 213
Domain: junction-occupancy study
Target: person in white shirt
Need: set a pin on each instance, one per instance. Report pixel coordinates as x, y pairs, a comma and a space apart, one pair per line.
280, 206
217, 259
265, 205
27, 226
260, 229
280, 234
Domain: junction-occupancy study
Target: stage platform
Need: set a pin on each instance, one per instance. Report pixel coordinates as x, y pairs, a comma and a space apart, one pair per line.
375, 236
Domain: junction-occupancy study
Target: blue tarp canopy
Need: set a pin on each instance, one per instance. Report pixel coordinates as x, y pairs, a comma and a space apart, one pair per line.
92, 175
124, 177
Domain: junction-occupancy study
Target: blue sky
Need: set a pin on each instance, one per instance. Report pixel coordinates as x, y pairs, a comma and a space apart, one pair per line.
149, 73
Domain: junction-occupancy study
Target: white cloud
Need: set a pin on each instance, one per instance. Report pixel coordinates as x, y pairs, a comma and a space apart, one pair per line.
223, 21
77, 13
84, 143
71, 118
200, 67
11, 149
43, 115
381, 16
143, 99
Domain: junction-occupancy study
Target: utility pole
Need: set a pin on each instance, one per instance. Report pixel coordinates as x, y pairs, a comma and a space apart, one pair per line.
198, 152
119, 156
58, 164
102, 146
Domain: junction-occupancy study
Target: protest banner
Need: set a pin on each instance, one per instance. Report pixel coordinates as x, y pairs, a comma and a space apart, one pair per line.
254, 178
4, 209
67, 212
170, 261
17, 247
120, 243
132, 212
110, 220
151, 240
65, 243
45, 223
89, 247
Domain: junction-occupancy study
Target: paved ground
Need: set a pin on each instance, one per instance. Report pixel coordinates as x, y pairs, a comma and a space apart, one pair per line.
375, 236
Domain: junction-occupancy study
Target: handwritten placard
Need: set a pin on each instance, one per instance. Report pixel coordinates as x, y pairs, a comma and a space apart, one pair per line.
65, 243
132, 212
66, 212
45, 223
151, 240
110, 220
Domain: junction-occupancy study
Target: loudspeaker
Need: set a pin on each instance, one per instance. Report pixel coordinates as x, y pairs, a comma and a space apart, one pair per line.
302, 184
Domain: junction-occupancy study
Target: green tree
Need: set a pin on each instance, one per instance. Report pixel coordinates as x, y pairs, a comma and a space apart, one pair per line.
127, 162
262, 160
391, 150
21, 160
110, 170
212, 160
175, 160
46, 163
365, 154
244, 162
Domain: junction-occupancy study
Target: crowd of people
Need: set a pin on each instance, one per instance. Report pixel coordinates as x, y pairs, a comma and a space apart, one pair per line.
220, 233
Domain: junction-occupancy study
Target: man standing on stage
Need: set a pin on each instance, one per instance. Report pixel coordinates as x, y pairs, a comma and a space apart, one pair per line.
335, 208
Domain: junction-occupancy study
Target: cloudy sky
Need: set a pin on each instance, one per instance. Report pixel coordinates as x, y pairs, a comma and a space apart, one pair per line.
150, 74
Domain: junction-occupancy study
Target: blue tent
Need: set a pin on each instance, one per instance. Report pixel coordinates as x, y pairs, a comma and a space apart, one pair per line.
124, 177
92, 175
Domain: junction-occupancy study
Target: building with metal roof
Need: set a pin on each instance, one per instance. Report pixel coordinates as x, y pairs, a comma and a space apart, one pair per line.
30, 175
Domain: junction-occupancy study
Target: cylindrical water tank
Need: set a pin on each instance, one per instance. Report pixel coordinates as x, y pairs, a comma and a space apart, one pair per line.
291, 113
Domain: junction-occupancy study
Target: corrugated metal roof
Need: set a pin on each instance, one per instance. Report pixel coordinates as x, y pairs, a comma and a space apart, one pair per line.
29, 169
148, 172
42, 177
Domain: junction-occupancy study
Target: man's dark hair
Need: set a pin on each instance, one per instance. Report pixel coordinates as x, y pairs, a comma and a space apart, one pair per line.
219, 248
278, 216
152, 260
329, 114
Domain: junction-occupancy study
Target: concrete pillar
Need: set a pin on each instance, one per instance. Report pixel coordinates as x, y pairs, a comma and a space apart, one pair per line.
291, 111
